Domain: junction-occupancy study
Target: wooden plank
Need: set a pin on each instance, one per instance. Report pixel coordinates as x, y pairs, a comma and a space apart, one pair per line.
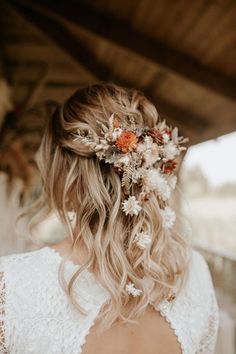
121, 34
80, 53
32, 52
59, 74
38, 87
59, 94
59, 84
61, 57
4, 66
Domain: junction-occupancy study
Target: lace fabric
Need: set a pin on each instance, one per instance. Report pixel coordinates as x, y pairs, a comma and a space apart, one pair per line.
3, 349
36, 316
194, 314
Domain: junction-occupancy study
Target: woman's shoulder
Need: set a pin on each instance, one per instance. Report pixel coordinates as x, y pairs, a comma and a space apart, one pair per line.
197, 260
199, 275
21, 261
33, 275
198, 288
26, 273
194, 313
39, 270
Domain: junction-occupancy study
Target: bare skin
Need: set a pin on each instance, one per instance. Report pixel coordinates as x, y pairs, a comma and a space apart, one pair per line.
151, 335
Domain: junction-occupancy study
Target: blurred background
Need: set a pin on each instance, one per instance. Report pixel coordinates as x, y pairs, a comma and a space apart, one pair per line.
181, 54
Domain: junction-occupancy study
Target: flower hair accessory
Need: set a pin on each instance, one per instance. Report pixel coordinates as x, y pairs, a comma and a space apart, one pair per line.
131, 290
142, 240
140, 155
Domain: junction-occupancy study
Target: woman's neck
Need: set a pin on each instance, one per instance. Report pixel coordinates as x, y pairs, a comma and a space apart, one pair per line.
78, 256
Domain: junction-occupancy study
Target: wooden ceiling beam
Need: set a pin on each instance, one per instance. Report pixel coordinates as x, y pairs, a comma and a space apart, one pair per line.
37, 88
71, 45
4, 67
121, 34
52, 83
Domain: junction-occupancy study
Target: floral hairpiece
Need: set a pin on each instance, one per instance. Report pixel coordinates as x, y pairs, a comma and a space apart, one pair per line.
143, 156
140, 155
131, 290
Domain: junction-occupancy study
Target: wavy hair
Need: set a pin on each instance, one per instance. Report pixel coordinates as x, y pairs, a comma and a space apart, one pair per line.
75, 180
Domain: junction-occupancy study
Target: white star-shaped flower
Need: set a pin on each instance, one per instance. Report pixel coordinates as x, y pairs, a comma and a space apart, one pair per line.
131, 290
151, 155
154, 181
145, 145
131, 206
137, 174
166, 138
123, 160
171, 150
116, 133
142, 240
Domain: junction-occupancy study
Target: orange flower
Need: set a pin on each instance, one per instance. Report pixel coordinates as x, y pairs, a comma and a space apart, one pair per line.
127, 141
169, 166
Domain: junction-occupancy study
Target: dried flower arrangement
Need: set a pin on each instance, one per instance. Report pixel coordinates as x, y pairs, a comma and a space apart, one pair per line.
140, 155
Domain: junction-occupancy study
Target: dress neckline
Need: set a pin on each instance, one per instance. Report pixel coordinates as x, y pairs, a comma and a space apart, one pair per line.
60, 257
162, 307
69, 262
96, 290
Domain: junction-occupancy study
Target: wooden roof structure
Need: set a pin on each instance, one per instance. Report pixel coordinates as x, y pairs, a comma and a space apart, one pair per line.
181, 54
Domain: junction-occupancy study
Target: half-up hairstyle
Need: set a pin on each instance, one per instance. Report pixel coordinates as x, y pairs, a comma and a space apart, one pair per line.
75, 180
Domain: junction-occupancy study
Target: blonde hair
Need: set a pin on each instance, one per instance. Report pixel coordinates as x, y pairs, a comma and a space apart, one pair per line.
74, 179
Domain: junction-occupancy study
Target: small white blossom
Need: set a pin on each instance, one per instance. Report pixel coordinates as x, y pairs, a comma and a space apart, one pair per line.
142, 239
148, 141
162, 125
100, 154
116, 133
145, 145
151, 155
169, 217
170, 151
166, 138
156, 182
140, 148
131, 290
103, 145
137, 174
124, 159
131, 206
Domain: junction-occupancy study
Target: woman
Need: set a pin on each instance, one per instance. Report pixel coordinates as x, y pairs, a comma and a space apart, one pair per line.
125, 280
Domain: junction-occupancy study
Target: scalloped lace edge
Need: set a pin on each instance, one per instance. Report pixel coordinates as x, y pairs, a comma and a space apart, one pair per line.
163, 314
172, 327
3, 349
157, 309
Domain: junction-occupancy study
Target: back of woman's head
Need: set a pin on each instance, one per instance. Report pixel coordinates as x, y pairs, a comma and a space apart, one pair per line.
138, 252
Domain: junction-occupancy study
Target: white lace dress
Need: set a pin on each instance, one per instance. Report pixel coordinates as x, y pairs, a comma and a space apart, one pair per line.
36, 317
